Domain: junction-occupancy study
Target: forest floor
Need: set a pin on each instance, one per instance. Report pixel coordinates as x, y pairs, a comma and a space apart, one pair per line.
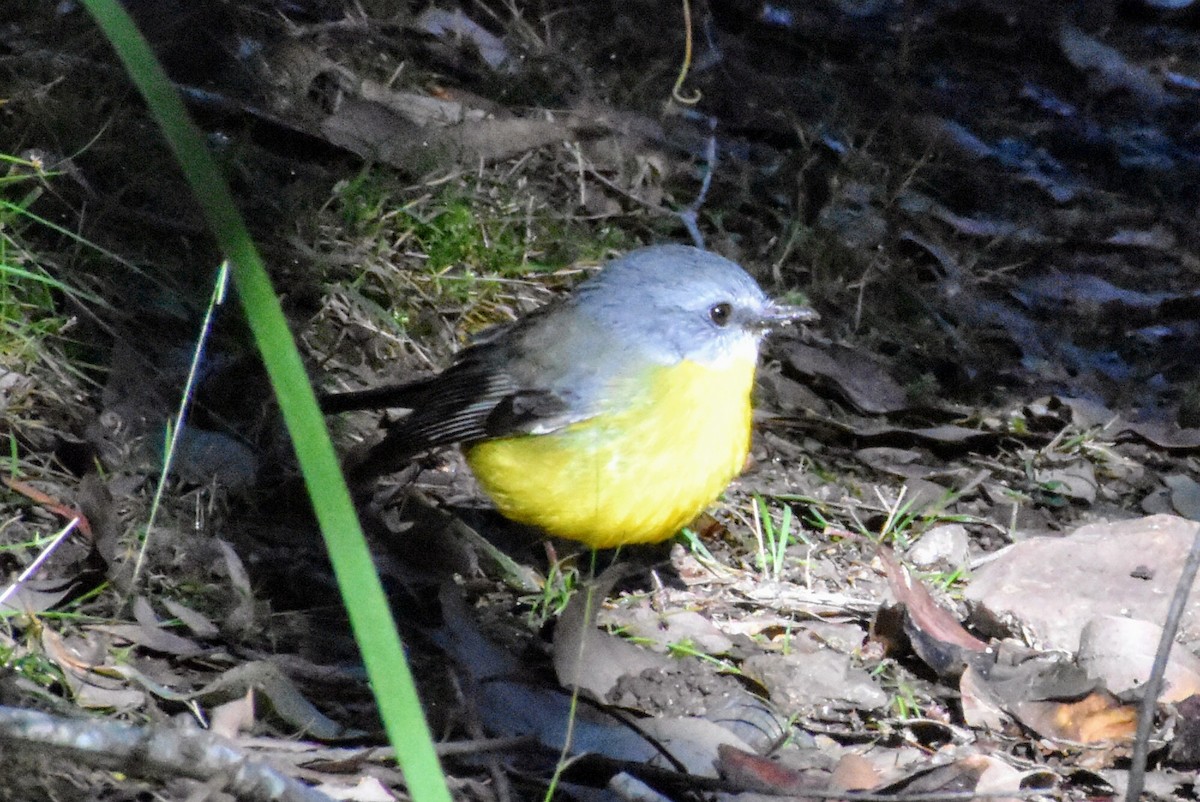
972, 485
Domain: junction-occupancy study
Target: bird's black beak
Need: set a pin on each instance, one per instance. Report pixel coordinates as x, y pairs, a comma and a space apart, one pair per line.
778, 315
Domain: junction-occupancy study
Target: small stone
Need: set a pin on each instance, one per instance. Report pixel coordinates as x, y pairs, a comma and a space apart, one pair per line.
946, 546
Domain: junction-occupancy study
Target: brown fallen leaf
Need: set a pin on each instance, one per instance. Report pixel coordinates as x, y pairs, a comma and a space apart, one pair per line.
199, 624
49, 502
588, 658
988, 776
998, 777
67, 658
92, 684
241, 618
854, 773
1185, 745
754, 773
1096, 718
860, 377
936, 635
958, 776
277, 693
981, 708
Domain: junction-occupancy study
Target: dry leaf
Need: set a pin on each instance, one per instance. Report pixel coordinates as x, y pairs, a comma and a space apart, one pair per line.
936, 635
592, 660
197, 623
155, 638
980, 707
233, 717
1096, 718
368, 789
854, 773
755, 773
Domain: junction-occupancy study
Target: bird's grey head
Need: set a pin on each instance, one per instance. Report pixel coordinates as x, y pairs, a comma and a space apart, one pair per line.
675, 302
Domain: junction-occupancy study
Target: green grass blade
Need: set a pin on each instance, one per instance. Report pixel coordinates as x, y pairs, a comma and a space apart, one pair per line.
370, 617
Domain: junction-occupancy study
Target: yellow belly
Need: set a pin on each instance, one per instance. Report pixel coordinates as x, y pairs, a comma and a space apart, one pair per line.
633, 476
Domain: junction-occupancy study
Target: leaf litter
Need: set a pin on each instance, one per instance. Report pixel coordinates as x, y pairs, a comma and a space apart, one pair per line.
1002, 259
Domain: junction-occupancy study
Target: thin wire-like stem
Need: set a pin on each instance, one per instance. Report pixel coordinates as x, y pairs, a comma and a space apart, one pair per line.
37, 563
677, 90
176, 427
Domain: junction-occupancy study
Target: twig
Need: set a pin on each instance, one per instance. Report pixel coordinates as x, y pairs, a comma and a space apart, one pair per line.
153, 751
1153, 686
689, 214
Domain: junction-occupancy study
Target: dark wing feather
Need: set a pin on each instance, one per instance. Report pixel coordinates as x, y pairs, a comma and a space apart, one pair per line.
469, 402
529, 412
520, 381
387, 396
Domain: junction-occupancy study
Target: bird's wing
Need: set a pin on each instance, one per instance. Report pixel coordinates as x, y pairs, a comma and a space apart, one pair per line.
534, 378
460, 406
388, 396
480, 398
476, 400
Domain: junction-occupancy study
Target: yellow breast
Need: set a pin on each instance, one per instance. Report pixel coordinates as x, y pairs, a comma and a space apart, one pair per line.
634, 475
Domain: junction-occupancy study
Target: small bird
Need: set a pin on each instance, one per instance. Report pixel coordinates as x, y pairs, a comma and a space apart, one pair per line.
612, 417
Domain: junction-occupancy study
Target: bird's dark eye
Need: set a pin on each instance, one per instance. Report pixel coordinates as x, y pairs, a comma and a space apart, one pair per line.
720, 313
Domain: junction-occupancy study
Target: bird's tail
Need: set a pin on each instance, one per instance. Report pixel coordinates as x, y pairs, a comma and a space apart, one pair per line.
389, 396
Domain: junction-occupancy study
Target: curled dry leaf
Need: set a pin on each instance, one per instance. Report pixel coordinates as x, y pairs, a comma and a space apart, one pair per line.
936, 635
92, 684
999, 777
981, 707
280, 693
241, 618
993, 686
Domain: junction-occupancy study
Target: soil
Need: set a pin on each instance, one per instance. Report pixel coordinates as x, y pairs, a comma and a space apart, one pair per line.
992, 207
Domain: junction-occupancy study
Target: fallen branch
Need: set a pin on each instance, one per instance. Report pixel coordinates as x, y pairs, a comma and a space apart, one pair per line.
152, 751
